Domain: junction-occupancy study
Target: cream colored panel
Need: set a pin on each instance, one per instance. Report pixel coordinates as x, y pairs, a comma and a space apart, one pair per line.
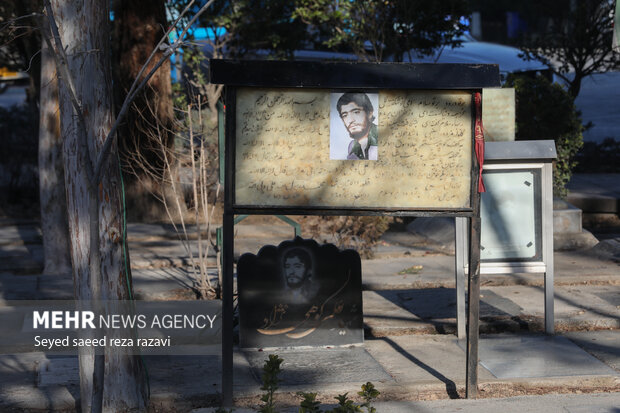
283, 158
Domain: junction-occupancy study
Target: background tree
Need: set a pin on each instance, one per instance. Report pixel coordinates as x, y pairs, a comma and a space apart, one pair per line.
137, 28
52, 199
234, 29
92, 175
93, 193
380, 30
545, 110
576, 41
23, 50
274, 32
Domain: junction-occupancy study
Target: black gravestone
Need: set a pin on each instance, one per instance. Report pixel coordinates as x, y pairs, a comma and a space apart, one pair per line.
300, 294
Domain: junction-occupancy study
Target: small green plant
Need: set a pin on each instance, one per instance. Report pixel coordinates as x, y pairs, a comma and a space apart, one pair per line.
369, 394
345, 405
271, 369
309, 404
222, 410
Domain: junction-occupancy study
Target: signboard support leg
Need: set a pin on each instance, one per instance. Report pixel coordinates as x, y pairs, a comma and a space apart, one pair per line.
460, 226
473, 301
547, 222
549, 305
227, 311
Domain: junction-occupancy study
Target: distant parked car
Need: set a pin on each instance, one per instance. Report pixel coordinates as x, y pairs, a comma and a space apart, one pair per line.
474, 51
471, 51
13, 86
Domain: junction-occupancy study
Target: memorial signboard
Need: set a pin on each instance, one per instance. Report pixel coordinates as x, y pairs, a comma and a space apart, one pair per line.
342, 138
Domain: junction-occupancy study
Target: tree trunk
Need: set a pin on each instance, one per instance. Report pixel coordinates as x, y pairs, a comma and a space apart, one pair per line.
53, 202
146, 135
84, 31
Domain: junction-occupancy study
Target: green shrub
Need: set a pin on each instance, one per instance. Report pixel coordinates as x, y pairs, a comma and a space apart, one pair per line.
271, 369
309, 403
545, 110
599, 157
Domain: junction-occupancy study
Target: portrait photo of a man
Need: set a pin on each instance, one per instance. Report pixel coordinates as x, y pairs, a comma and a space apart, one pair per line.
354, 126
297, 271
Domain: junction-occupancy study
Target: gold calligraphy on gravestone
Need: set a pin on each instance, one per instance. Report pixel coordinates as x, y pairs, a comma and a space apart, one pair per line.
283, 155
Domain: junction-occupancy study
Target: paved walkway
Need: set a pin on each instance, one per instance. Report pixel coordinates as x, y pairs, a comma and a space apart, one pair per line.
410, 351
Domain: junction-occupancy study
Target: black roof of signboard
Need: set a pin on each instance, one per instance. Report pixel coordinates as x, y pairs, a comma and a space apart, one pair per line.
262, 73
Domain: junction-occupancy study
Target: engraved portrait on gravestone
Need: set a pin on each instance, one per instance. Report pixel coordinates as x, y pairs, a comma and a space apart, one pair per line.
354, 126
299, 285
300, 293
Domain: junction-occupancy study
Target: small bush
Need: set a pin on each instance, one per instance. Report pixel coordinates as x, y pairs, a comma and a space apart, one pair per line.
603, 157
358, 233
545, 110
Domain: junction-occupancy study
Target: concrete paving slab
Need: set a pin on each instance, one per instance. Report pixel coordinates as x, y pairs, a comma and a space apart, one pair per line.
575, 307
565, 403
137, 231
390, 273
166, 283
595, 192
437, 270
35, 287
321, 365
509, 356
16, 250
504, 308
21, 259
423, 359
437, 230
383, 317
18, 385
58, 371
585, 306
167, 253
20, 234
608, 249
173, 378
404, 367
552, 403
603, 344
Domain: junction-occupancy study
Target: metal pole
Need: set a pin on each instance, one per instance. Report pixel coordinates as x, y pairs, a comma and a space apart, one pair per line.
227, 255
473, 302
547, 224
227, 311
461, 245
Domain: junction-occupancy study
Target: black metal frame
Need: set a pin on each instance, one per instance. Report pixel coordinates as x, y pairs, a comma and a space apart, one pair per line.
345, 75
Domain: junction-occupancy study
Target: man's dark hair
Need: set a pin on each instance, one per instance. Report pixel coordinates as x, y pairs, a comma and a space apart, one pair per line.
359, 98
302, 254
